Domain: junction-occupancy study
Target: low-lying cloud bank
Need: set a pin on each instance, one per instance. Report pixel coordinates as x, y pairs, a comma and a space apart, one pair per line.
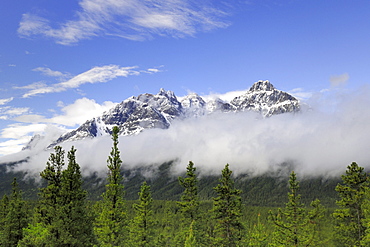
322, 140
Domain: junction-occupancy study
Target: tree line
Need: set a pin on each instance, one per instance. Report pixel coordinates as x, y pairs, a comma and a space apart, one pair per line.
62, 216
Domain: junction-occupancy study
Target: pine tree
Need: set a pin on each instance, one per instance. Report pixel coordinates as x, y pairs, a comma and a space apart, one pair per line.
49, 210
366, 221
349, 219
227, 211
61, 218
257, 235
295, 225
189, 204
16, 218
4, 203
77, 223
141, 231
190, 240
110, 226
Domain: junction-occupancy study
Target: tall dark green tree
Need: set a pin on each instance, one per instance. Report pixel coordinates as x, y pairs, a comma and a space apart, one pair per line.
49, 210
349, 219
189, 204
4, 203
15, 218
365, 241
141, 230
227, 211
295, 225
46, 228
111, 222
61, 218
77, 223
189, 207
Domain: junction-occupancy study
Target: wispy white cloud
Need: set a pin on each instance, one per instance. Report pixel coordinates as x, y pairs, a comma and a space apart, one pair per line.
52, 73
7, 112
94, 75
16, 110
32, 86
5, 101
301, 93
338, 80
133, 19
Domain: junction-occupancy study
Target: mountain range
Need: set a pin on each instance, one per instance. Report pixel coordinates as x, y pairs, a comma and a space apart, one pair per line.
148, 111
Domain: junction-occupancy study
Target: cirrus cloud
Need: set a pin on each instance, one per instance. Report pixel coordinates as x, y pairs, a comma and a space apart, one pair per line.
133, 19
95, 75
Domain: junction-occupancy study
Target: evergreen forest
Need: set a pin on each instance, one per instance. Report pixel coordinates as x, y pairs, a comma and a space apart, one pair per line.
65, 214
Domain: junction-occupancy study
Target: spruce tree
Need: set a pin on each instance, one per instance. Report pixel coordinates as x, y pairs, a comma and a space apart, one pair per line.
15, 218
189, 204
4, 203
294, 224
141, 230
190, 240
60, 218
257, 236
77, 223
349, 219
111, 225
227, 211
49, 210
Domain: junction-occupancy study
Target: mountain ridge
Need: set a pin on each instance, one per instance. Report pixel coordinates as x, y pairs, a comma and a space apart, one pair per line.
147, 111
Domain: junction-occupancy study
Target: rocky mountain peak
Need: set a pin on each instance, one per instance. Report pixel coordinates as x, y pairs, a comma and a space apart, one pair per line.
262, 86
192, 100
147, 111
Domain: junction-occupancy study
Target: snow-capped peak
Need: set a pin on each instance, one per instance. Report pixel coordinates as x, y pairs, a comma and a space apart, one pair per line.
262, 86
146, 111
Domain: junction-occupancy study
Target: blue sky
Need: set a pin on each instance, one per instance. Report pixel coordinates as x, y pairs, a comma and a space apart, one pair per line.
63, 62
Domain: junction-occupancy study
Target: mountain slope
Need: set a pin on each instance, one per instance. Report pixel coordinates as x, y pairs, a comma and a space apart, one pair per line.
264, 190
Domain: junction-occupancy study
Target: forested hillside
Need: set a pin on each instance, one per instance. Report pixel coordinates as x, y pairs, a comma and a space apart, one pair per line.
264, 190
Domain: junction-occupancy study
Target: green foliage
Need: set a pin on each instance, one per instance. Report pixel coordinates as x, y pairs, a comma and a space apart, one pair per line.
77, 223
295, 225
227, 211
36, 235
141, 230
4, 204
366, 221
111, 225
191, 240
14, 217
257, 235
61, 218
189, 204
349, 219
48, 212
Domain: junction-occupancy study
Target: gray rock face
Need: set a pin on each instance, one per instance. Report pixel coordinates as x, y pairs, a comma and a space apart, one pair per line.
263, 97
147, 111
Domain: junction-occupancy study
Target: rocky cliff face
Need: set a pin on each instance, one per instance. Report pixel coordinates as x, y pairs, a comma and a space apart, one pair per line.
147, 111
263, 97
